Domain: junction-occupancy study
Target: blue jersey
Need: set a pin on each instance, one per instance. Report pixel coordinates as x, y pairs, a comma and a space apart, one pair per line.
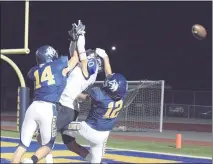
104, 110
49, 82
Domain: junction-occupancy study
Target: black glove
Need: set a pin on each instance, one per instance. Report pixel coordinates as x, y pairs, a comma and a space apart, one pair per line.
73, 33
76, 31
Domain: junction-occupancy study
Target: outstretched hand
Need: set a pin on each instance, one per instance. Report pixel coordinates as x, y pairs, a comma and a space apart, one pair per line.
77, 30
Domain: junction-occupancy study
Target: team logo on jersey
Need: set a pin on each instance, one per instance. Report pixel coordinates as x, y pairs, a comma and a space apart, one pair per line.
113, 85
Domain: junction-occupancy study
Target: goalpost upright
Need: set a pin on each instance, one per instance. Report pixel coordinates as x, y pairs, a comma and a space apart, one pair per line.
24, 50
23, 91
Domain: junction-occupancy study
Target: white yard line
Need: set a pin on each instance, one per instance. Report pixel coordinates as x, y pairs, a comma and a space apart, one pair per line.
151, 152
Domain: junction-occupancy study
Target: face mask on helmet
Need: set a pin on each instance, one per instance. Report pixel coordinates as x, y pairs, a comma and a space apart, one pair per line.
100, 64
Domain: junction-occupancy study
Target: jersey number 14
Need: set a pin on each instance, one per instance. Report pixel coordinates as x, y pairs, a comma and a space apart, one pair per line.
114, 109
46, 75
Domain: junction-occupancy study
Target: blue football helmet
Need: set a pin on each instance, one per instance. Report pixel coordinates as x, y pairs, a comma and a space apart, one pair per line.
46, 54
115, 85
91, 54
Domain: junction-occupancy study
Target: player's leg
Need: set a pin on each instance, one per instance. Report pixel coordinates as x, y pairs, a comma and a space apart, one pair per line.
97, 141
48, 130
97, 152
64, 117
49, 157
29, 126
69, 140
73, 146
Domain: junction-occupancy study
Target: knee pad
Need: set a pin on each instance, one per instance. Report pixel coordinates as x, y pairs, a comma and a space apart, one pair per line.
67, 139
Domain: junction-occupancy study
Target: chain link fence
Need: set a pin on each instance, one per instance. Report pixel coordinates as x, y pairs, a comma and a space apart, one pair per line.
188, 104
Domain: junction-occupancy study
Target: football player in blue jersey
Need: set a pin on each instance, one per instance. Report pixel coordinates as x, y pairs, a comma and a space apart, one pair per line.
92, 62
50, 79
107, 101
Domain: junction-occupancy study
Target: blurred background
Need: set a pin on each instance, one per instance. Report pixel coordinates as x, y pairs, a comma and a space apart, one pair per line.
144, 40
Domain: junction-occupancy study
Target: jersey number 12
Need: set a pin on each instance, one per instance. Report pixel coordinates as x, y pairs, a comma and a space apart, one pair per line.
114, 109
45, 76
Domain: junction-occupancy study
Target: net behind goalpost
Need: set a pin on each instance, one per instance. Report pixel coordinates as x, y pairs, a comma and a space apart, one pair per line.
143, 107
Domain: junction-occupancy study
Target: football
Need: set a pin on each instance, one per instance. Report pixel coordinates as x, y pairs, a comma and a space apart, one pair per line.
199, 31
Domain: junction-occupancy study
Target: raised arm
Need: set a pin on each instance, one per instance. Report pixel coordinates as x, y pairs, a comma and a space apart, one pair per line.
82, 55
78, 43
107, 67
75, 32
71, 63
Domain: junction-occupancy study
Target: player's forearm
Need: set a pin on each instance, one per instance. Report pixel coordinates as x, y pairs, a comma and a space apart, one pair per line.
73, 60
71, 63
107, 66
84, 67
102, 53
82, 54
72, 47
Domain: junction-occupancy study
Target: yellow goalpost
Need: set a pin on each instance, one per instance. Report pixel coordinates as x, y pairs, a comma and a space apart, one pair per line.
23, 91
24, 50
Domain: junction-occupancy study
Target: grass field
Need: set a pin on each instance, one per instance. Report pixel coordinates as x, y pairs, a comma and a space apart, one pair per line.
204, 151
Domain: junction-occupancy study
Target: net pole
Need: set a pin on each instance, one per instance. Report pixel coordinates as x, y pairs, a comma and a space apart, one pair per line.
161, 107
126, 116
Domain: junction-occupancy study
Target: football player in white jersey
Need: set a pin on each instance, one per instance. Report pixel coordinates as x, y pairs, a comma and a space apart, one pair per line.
79, 79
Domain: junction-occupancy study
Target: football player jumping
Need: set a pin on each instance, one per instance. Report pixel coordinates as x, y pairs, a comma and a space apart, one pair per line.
50, 79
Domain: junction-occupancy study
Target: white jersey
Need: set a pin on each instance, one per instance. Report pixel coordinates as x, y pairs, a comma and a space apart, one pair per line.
76, 84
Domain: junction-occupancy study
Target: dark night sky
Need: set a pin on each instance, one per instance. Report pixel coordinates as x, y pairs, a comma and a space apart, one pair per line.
153, 39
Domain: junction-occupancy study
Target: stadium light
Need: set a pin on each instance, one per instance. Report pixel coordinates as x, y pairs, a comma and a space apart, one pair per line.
113, 48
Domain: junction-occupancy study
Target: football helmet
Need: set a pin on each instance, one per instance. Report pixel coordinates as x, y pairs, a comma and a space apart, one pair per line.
46, 54
115, 85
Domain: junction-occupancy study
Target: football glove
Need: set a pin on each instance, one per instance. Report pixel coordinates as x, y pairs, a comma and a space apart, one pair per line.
100, 52
76, 30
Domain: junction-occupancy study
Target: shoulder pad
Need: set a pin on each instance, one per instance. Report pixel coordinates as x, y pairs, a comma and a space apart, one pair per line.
62, 62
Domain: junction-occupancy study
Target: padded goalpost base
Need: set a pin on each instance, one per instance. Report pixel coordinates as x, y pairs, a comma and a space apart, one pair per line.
22, 105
